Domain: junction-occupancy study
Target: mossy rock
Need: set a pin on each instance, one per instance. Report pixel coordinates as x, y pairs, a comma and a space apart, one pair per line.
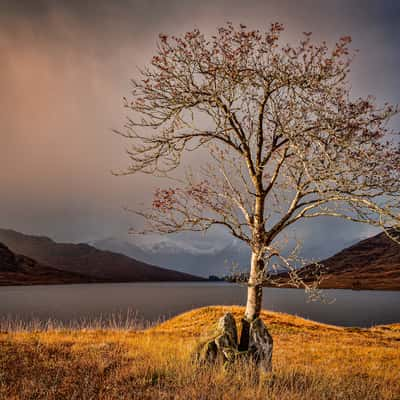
223, 346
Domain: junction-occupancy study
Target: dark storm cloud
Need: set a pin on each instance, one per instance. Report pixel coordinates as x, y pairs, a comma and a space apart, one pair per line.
65, 65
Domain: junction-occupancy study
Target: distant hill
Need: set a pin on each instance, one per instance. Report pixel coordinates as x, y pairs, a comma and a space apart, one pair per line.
87, 260
21, 270
209, 260
373, 263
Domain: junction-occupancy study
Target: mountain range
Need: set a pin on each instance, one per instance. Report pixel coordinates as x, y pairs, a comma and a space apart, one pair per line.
373, 263
211, 260
87, 260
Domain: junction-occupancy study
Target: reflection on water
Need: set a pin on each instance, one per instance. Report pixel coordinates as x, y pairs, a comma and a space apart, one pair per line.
153, 301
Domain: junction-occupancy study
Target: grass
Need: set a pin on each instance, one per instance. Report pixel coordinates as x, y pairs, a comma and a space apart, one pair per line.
311, 361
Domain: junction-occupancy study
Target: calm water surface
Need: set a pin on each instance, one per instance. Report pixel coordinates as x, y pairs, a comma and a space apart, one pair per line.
153, 301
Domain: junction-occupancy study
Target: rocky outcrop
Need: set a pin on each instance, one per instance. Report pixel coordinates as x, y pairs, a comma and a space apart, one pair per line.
260, 345
224, 346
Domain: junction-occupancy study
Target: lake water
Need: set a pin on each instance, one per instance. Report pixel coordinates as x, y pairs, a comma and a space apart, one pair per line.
154, 301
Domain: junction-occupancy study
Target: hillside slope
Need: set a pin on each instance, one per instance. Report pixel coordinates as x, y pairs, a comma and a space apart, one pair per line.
373, 263
21, 270
87, 260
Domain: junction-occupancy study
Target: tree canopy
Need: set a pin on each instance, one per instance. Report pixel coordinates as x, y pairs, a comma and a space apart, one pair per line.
285, 139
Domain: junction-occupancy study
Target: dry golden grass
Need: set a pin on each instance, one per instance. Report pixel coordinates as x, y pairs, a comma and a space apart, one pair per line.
311, 361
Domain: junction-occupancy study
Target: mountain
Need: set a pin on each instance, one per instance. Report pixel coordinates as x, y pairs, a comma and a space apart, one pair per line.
87, 260
373, 263
183, 256
21, 270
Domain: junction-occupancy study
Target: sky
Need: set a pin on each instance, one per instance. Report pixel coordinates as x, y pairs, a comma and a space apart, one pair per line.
65, 66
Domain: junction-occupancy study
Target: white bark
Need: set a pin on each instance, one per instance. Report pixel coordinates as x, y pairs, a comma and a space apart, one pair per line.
254, 290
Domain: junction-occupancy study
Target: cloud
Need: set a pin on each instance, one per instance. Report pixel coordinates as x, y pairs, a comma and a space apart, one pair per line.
65, 67
212, 242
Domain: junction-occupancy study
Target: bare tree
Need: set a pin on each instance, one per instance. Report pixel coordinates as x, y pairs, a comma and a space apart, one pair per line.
284, 141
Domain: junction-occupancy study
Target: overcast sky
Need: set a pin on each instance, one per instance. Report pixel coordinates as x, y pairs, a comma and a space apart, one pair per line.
65, 66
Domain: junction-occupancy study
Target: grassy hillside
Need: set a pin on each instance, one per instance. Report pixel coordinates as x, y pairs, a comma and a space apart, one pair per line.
311, 361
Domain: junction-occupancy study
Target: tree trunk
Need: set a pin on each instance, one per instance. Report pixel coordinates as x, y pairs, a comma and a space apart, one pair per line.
254, 290
254, 299
255, 340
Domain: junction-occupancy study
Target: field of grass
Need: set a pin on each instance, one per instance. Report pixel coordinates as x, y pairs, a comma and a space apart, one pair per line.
311, 361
